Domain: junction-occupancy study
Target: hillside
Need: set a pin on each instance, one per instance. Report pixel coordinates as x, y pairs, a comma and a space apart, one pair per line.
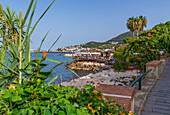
104, 45
92, 44
120, 37
108, 43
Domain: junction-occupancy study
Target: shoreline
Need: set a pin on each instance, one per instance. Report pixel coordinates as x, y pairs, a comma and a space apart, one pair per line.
110, 77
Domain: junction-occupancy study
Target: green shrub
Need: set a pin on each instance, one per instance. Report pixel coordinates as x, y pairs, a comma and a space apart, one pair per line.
35, 98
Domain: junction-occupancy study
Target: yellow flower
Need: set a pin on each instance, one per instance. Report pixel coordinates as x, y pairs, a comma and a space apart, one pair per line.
95, 92
117, 109
108, 113
130, 113
93, 111
98, 107
114, 103
89, 107
99, 98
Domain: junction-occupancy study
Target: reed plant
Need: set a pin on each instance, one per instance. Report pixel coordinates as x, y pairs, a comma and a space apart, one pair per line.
16, 42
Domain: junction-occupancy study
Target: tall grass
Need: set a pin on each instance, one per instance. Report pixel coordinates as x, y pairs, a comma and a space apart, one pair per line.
16, 43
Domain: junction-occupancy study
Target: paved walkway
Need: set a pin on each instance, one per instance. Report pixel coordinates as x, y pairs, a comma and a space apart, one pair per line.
158, 101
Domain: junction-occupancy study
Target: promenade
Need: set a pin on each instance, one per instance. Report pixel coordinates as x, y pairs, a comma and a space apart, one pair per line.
158, 101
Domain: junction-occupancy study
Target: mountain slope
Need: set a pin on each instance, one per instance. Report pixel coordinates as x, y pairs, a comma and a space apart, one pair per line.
120, 37
107, 44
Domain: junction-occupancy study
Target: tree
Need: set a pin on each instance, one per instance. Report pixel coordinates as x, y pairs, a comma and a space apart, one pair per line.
144, 22
130, 25
136, 24
163, 35
140, 23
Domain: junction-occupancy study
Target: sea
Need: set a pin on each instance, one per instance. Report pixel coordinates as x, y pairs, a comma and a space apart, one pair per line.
64, 74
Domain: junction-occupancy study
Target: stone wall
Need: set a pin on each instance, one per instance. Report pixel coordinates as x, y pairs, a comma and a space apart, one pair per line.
157, 67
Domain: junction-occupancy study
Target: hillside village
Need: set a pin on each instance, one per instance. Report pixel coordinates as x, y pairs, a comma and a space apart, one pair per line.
89, 47
109, 45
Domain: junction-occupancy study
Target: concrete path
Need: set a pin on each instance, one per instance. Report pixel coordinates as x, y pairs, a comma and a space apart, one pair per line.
158, 101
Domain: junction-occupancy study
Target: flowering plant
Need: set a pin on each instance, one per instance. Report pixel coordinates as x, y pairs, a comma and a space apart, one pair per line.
35, 97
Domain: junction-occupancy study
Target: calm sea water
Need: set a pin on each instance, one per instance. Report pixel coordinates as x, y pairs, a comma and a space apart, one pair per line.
60, 70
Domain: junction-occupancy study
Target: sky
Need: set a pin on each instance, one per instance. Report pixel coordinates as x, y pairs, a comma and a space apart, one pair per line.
82, 21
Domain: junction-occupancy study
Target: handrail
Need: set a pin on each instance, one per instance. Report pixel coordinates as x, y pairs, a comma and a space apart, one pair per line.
139, 79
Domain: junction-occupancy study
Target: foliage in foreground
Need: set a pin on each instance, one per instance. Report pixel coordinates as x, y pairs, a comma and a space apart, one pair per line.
35, 98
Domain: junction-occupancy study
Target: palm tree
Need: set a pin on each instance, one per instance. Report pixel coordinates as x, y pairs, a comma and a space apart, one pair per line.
136, 24
144, 22
130, 25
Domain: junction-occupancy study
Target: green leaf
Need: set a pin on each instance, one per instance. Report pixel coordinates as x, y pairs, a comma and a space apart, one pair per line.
56, 102
54, 43
79, 112
76, 105
13, 65
20, 91
44, 75
31, 104
68, 109
63, 101
16, 98
24, 111
74, 72
47, 111
2, 81
62, 64
30, 112
15, 111
28, 10
9, 68
40, 18
29, 90
42, 65
41, 45
14, 49
53, 109
6, 95
9, 112
47, 94
36, 109
52, 80
61, 112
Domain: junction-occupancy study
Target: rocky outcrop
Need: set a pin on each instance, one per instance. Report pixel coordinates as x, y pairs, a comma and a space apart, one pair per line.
86, 65
110, 77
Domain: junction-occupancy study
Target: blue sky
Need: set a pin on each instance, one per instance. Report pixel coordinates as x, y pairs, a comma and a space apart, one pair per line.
81, 21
